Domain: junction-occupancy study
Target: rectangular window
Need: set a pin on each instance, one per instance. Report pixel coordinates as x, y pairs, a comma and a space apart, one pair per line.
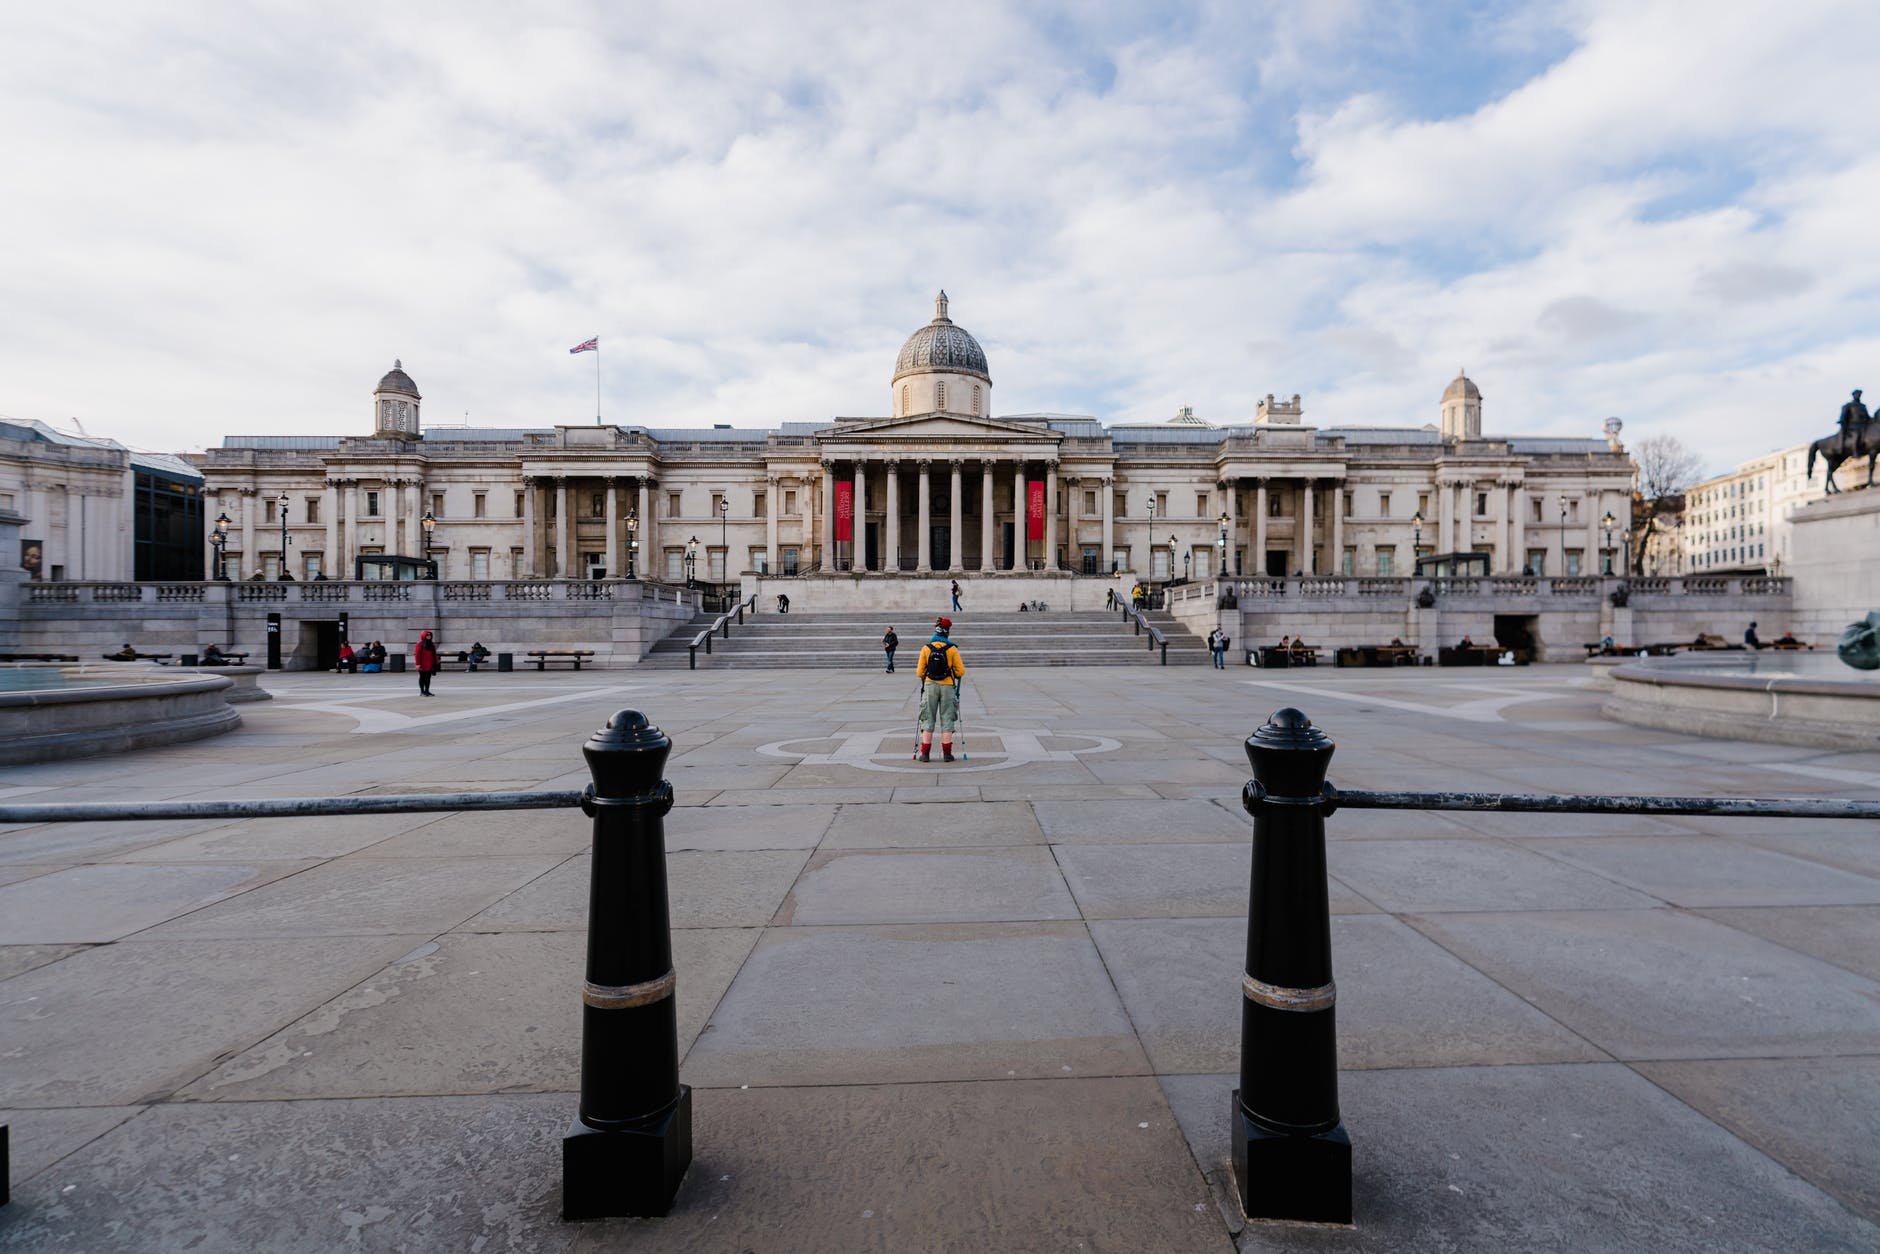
597, 504
715, 565
1272, 504
518, 505
478, 509
479, 563
313, 509
1423, 504
1534, 510
1386, 561
1161, 505
1348, 562
1481, 505
673, 508
1119, 508
372, 505
1158, 559
437, 505
310, 565
1090, 504
1201, 505
718, 504
1573, 562
759, 560
1383, 505
675, 565
789, 555
1121, 554
270, 568
267, 514
1345, 504
789, 501
759, 502
1573, 511
1537, 561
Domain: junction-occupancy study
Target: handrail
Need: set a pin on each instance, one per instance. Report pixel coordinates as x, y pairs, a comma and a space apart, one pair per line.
721, 623
1156, 637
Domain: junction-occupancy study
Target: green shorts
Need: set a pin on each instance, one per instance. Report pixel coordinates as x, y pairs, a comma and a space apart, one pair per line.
940, 703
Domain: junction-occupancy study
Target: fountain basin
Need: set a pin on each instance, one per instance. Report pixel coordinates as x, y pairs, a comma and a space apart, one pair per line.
104, 712
1811, 700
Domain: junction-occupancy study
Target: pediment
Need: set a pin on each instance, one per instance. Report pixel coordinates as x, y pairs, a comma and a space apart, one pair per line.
938, 426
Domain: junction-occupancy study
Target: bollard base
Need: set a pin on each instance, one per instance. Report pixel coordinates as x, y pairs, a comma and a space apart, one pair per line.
1306, 1179
631, 1172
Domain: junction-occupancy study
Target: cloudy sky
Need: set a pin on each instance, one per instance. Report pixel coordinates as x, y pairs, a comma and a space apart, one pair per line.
231, 218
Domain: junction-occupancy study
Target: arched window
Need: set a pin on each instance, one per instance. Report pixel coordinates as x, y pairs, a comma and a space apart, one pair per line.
940, 396
975, 398
904, 400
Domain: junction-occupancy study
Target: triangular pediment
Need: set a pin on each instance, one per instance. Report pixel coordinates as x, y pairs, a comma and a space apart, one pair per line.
938, 426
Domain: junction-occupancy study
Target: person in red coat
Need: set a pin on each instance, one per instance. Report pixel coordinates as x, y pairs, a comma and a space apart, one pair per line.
427, 663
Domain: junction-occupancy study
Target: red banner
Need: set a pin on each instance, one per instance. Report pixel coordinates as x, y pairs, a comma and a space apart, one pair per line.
1034, 511
845, 509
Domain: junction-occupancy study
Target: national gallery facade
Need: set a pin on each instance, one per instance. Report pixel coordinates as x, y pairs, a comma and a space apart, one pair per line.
937, 485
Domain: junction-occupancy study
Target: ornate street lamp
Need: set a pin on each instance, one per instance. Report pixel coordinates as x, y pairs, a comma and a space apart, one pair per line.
282, 502
429, 523
633, 542
1563, 535
724, 530
1223, 562
691, 561
219, 538
1607, 522
1416, 539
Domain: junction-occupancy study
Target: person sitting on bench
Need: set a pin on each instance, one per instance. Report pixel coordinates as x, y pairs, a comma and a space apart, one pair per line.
212, 655
125, 654
474, 656
347, 662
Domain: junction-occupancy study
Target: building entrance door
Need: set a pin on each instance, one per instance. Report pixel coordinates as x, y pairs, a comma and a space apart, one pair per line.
1276, 562
871, 546
325, 638
940, 547
1010, 538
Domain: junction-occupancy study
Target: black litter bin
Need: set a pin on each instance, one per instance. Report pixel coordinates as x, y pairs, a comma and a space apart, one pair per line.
505, 661
395, 662
188, 659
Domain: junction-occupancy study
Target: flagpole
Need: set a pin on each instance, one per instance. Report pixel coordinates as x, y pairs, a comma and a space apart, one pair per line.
597, 383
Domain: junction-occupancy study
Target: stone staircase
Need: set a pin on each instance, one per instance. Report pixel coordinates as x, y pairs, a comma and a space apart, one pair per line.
849, 641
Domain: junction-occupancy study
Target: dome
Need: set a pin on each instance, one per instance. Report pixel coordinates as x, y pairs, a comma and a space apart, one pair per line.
1462, 386
940, 346
398, 382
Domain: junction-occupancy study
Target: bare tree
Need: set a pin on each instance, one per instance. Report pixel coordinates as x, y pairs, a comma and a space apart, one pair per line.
1666, 469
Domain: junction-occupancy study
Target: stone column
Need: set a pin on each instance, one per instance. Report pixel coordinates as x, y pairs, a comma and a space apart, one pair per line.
958, 532
772, 486
1258, 556
349, 532
528, 570
1335, 506
414, 531
923, 540
1517, 528
1106, 486
1595, 535
988, 520
615, 567
251, 502
1444, 523
1306, 562
858, 526
1050, 515
891, 526
649, 534
1021, 547
394, 508
1465, 516
829, 516
564, 530
1230, 489
329, 505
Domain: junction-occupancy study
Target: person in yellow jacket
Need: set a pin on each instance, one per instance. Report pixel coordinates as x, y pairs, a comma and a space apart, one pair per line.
940, 671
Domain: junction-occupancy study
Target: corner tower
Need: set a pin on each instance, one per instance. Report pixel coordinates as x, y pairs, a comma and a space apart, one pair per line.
941, 369
1462, 410
395, 406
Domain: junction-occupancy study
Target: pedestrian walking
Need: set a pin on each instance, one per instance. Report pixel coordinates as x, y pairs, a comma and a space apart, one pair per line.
889, 643
940, 674
426, 655
956, 596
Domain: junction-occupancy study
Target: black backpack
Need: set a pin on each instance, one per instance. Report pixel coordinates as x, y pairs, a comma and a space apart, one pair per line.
938, 667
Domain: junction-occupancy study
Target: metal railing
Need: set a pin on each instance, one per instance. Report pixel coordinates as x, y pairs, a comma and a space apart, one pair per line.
720, 624
1156, 638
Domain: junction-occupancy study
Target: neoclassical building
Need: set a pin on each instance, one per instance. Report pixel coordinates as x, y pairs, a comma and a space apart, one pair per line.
938, 485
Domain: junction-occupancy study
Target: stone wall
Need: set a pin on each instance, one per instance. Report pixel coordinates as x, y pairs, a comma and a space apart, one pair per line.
928, 594
1836, 565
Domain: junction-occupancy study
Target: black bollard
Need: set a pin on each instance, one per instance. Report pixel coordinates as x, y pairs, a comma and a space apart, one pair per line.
629, 1147
1292, 1157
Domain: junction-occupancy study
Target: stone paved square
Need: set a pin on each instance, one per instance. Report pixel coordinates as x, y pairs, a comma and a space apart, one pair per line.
987, 1005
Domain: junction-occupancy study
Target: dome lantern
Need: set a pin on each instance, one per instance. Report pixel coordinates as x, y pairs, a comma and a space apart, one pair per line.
395, 406
941, 368
1462, 410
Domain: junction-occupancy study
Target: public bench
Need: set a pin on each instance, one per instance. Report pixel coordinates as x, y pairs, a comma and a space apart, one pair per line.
1478, 655
1291, 655
38, 657
461, 660
542, 657
135, 656
227, 658
1378, 655
1790, 645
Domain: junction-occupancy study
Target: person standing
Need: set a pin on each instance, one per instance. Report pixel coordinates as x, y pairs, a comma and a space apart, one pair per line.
889, 642
1750, 639
940, 674
956, 596
426, 654
1218, 641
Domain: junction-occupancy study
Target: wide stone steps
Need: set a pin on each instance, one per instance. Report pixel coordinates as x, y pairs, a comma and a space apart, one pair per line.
848, 641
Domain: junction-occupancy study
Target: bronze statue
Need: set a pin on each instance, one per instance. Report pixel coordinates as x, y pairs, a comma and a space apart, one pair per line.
1851, 443
1860, 644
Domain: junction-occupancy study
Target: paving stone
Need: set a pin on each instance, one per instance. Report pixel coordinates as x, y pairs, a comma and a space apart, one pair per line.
1849, 846
1140, 822
14, 874
354, 896
1847, 936
284, 838
1400, 1003
928, 886
703, 889
19, 959
1706, 871
1005, 1165
65, 843
939, 1002
39, 1138
1563, 1157
132, 1022
748, 827
432, 1173
1662, 984
1438, 875
902, 825
492, 834
1172, 881
106, 901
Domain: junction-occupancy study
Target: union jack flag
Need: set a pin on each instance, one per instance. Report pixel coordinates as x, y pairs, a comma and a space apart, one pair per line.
591, 346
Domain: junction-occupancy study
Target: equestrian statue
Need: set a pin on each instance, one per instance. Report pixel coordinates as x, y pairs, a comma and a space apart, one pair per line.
1855, 440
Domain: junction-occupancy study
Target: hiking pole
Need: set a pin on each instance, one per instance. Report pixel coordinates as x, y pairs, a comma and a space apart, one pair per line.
964, 756
918, 702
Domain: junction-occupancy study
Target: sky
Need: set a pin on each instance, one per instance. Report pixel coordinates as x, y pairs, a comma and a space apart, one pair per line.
232, 218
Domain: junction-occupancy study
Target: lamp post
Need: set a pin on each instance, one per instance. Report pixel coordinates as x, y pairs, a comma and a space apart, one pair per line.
281, 501
1416, 540
219, 538
691, 561
724, 531
1223, 562
633, 542
1563, 535
1607, 522
1172, 542
429, 523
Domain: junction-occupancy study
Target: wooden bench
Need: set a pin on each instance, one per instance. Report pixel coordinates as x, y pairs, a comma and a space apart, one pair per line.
226, 659
138, 657
37, 657
542, 657
447, 661
1378, 655
1789, 645
1273, 655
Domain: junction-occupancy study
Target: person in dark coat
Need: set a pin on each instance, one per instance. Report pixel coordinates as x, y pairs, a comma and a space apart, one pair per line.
889, 643
426, 655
